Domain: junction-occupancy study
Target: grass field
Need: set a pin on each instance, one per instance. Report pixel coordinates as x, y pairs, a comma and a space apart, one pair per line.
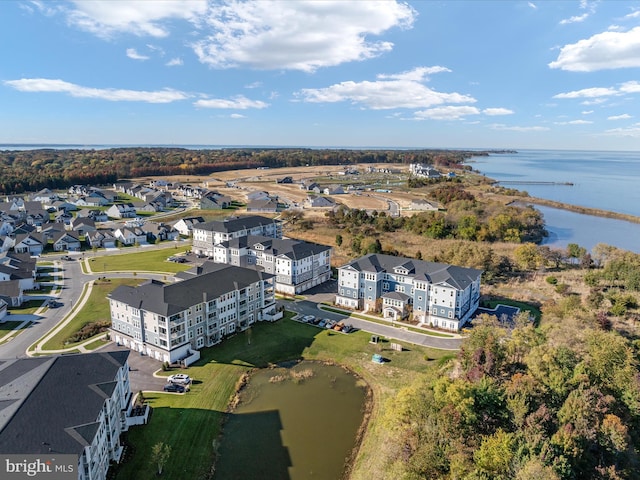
190, 423
96, 309
141, 260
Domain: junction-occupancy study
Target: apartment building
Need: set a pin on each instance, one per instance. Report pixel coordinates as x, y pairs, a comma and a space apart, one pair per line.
437, 294
71, 404
207, 235
170, 322
296, 264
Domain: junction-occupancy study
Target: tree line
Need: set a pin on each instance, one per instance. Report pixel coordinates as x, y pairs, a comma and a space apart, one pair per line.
32, 170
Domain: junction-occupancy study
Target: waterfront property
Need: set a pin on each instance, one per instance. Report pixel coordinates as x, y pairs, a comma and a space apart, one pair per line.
207, 235
436, 294
171, 322
72, 404
297, 265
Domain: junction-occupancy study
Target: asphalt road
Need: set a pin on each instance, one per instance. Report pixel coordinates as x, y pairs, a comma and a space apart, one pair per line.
305, 307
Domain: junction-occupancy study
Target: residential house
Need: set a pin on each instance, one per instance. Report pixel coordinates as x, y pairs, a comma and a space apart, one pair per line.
311, 187
207, 235
317, 201
82, 225
64, 218
130, 235
20, 268
11, 293
437, 294
335, 190
31, 243
424, 171
4, 310
169, 322
122, 210
285, 180
266, 205
101, 238
66, 242
93, 214
159, 232
297, 265
70, 404
423, 205
185, 225
214, 201
64, 206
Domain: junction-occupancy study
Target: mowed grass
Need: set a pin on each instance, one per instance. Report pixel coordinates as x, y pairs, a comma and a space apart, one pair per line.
95, 309
191, 423
141, 260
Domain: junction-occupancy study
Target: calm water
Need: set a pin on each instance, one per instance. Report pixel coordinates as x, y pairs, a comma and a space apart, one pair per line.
604, 180
293, 429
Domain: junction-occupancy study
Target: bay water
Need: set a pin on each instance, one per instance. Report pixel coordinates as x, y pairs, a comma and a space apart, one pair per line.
603, 180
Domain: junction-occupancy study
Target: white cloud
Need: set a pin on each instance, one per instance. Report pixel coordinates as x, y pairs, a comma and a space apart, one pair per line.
575, 122
253, 85
174, 62
575, 19
106, 18
630, 87
587, 112
595, 101
624, 116
631, 131
236, 115
418, 74
111, 94
603, 51
588, 93
634, 14
300, 35
497, 111
500, 126
532, 5
133, 54
239, 103
404, 90
446, 113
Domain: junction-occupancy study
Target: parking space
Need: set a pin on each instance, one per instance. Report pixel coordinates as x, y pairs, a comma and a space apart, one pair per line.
141, 369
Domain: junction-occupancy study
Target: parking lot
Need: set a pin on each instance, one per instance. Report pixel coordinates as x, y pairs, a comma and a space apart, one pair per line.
141, 369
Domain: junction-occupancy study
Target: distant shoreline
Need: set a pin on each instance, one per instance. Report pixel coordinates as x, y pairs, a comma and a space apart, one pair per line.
594, 212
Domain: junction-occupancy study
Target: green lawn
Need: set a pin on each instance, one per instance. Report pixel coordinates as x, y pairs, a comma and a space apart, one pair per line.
141, 260
27, 308
95, 309
190, 423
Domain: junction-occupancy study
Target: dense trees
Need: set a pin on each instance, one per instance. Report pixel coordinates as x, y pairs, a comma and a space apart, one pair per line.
556, 402
31, 170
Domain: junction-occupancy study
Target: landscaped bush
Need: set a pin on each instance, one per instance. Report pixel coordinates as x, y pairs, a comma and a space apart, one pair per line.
552, 280
89, 330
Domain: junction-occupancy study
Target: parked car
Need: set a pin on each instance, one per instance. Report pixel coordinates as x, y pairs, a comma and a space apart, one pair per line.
179, 378
308, 318
347, 328
173, 387
54, 304
67, 257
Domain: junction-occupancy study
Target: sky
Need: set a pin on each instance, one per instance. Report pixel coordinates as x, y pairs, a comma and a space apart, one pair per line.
537, 74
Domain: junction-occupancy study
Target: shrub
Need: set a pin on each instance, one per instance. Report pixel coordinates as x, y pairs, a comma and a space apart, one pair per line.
562, 288
89, 330
552, 280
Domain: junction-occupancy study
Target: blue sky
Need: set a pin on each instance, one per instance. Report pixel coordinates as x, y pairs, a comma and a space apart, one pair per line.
452, 74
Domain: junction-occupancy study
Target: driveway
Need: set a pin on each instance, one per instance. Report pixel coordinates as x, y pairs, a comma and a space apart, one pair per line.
141, 369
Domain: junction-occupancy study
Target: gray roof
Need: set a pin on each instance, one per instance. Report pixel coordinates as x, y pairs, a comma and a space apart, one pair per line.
52, 404
294, 249
234, 224
403, 297
432, 272
199, 284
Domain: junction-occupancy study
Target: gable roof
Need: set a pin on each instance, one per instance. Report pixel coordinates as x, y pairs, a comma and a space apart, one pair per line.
234, 224
54, 402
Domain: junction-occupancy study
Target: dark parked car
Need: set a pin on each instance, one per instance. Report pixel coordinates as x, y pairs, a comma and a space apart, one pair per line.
172, 387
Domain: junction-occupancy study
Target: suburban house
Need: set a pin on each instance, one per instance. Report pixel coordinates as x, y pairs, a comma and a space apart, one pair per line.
82, 225
31, 243
264, 205
424, 171
122, 210
171, 322
336, 190
214, 201
130, 235
69, 404
423, 205
102, 238
159, 232
207, 235
3, 310
317, 201
66, 241
297, 265
438, 294
185, 225
20, 268
11, 293
93, 214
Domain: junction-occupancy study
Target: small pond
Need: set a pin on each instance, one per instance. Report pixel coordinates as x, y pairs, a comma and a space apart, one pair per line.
293, 423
